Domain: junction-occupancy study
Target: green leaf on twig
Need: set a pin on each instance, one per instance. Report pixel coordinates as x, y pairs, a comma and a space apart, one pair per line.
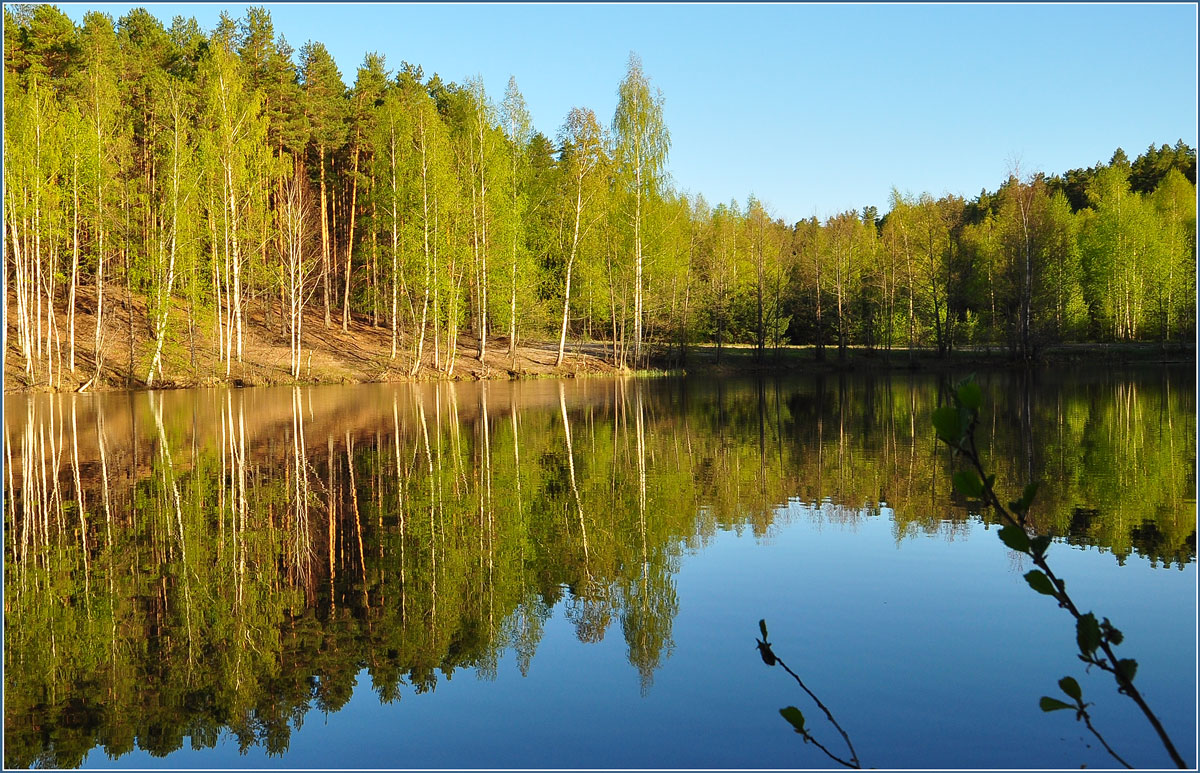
968, 484
1087, 633
1015, 538
970, 395
1127, 668
1070, 687
1040, 583
948, 425
1113, 635
1053, 704
1023, 504
793, 716
764, 651
762, 626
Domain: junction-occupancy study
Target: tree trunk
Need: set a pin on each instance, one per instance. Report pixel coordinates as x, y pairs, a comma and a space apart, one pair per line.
324, 237
637, 282
350, 242
425, 228
374, 267
99, 251
562, 336
164, 298
483, 301
74, 259
395, 248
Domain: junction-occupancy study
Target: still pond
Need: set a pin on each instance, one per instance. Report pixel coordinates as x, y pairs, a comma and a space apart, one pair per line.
550, 574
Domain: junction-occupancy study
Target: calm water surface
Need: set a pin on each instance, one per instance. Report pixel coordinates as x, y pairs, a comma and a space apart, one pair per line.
544, 574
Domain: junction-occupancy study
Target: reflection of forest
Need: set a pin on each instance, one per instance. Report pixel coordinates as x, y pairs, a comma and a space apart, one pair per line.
178, 564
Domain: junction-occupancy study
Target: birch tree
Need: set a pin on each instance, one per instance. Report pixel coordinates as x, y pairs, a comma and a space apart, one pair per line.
518, 128
642, 144
99, 44
182, 190
582, 142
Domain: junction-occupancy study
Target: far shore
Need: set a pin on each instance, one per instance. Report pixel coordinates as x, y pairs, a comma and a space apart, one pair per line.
362, 354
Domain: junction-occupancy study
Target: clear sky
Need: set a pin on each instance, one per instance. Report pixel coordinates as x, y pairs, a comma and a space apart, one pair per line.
812, 108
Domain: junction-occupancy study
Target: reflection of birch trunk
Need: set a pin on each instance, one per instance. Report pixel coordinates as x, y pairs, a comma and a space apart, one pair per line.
432, 498
83, 530
9, 498
101, 442
1027, 425
362, 556
332, 524
912, 434
28, 487
1171, 443
440, 455
841, 405
301, 542
562, 404
55, 497
512, 414
760, 387
169, 474
237, 490
486, 501
400, 485
641, 459
37, 513
242, 503
29, 491
485, 490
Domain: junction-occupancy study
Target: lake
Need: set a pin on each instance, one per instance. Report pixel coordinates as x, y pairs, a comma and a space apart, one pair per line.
548, 574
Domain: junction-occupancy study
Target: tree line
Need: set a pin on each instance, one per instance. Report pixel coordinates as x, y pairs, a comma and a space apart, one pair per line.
220, 183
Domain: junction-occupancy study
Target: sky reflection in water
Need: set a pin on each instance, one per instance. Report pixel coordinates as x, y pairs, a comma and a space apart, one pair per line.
471, 593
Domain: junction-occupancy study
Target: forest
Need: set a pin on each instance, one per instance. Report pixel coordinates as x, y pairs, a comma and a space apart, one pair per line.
214, 186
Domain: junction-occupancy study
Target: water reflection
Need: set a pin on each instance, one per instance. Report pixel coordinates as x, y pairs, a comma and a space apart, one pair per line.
182, 564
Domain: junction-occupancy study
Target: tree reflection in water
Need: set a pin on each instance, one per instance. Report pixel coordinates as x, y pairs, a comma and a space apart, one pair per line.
179, 564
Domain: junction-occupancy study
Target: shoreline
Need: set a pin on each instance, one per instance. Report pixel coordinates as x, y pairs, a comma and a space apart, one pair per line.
362, 354
740, 359
534, 360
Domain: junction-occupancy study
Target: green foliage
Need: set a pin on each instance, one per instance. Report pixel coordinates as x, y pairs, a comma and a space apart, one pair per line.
720, 458
1106, 253
1087, 634
1014, 537
794, 718
970, 395
968, 484
1053, 704
1070, 687
1095, 640
947, 420
1021, 506
1040, 583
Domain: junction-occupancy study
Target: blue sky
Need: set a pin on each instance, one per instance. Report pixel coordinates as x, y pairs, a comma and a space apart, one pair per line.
812, 108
